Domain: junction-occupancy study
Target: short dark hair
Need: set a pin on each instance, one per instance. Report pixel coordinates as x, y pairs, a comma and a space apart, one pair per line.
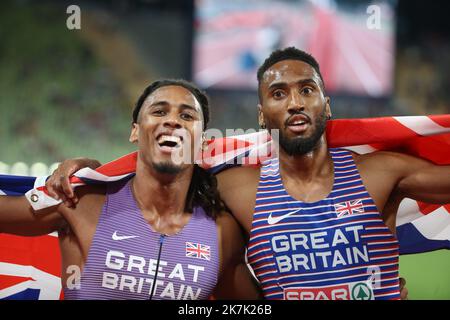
290, 53
201, 97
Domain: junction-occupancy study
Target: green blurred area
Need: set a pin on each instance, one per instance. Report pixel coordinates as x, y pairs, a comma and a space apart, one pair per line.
57, 99
427, 274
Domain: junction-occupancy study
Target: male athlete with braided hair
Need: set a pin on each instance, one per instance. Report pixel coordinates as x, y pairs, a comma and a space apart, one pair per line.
162, 234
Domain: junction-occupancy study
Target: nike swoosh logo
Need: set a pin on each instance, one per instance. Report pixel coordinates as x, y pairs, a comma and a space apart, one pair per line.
275, 220
116, 237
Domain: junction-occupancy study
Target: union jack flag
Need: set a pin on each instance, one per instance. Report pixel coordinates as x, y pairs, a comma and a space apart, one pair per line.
349, 207
421, 227
30, 268
198, 250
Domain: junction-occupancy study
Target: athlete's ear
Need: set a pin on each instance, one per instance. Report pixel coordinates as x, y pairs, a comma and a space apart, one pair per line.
261, 121
328, 108
134, 133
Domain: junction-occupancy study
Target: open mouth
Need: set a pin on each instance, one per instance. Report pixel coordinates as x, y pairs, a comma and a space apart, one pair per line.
169, 142
298, 123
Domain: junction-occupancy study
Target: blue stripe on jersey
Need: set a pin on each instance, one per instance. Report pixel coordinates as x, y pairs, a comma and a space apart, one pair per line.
335, 248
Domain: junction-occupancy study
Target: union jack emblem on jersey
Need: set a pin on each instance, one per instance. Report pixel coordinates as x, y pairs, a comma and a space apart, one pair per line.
198, 250
348, 208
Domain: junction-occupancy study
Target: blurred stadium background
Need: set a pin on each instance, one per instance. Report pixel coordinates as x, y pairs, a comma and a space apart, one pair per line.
68, 93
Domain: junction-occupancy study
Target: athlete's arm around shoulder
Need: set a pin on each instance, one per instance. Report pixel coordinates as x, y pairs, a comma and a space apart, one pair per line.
237, 187
408, 176
18, 217
235, 279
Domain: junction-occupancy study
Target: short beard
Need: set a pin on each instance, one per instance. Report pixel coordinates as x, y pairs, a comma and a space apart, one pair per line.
167, 168
301, 146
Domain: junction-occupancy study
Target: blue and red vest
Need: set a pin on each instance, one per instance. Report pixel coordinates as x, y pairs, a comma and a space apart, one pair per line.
335, 248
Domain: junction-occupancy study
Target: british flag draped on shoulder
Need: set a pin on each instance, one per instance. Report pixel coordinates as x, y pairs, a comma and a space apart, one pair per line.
421, 227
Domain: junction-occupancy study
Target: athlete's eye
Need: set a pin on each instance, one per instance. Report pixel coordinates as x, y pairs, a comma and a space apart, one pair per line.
278, 94
307, 90
158, 112
187, 116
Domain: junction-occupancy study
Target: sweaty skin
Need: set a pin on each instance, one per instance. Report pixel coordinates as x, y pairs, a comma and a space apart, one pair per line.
166, 110
292, 86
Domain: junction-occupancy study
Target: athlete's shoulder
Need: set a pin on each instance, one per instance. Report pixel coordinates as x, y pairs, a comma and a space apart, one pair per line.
383, 159
90, 194
225, 220
238, 175
238, 184
94, 189
229, 232
91, 199
238, 190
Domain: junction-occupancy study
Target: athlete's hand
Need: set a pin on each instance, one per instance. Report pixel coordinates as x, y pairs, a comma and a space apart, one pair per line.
403, 289
58, 184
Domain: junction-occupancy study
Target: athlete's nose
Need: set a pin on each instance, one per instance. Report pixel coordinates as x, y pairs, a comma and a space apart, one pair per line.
172, 122
296, 103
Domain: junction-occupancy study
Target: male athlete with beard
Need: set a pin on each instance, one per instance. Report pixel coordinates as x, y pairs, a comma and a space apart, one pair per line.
160, 235
323, 222
320, 222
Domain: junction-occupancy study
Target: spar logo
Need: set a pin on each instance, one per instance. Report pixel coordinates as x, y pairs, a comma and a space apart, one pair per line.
347, 291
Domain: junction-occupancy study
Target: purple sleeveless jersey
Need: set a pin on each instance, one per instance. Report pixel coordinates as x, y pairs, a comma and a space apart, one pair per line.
123, 257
